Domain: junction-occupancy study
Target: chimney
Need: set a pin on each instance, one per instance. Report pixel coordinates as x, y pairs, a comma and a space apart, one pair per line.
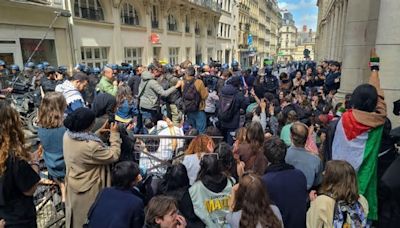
304, 28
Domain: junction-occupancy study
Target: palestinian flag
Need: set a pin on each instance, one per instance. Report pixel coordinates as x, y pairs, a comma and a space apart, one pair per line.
359, 145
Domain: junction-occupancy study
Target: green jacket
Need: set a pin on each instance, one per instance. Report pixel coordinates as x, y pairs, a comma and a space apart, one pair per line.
106, 86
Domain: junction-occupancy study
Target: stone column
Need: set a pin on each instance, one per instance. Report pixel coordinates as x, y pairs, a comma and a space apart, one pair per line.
342, 29
326, 42
388, 48
117, 48
334, 32
148, 48
359, 37
337, 31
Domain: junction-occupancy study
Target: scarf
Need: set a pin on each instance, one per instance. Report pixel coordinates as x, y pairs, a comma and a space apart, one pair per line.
346, 215
70, 93
85, 136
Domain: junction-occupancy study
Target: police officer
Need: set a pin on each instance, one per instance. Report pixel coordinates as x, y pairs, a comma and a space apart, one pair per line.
51, 79
14, 71
63, 70
3, 70
271, 81
4, 78
29, 74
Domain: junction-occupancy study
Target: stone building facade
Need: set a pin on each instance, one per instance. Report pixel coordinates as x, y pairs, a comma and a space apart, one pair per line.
260, 20
348, 29
227, 32
288, 38
305, 40
101, 31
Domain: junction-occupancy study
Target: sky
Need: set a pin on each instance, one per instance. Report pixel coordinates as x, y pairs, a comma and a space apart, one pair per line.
305, 12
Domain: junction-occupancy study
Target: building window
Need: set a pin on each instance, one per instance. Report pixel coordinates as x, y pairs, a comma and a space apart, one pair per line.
210, 53
172, 24
89, 9
209, 30
187, 24
197, 28
133, 55
94, 56
188, 53
154, 17
47, 51
173, 55
129, 15
219, 55
229, 31
156, 52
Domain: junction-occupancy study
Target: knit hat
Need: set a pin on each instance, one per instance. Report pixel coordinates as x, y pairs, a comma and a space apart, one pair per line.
79, 120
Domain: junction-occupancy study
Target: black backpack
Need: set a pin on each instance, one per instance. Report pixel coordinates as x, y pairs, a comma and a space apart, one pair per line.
190, 97
226, 107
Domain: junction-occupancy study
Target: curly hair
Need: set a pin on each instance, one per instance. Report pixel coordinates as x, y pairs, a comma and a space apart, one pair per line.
200, 145
51, 110
252, 198
12, 139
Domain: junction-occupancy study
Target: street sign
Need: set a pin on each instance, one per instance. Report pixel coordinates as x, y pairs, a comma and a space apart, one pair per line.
250, 39
154, 38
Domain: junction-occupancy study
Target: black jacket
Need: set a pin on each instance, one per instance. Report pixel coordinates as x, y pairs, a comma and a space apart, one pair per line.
241, 102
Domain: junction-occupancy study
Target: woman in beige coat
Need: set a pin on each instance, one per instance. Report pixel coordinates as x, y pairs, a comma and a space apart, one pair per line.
338, 203
87, 162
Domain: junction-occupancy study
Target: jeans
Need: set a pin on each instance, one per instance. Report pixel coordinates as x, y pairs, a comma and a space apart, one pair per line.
198, 120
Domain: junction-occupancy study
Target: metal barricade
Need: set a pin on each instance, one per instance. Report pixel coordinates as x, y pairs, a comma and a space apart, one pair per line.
157, 152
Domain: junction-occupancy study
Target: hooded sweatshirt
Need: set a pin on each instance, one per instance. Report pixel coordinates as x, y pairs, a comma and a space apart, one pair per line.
72, 96
150, 90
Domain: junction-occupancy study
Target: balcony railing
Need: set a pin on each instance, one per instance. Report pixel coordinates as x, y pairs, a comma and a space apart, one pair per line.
51, 3
209, 4
243, 7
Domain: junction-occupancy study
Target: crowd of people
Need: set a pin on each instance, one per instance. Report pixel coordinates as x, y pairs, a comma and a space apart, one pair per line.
291, 154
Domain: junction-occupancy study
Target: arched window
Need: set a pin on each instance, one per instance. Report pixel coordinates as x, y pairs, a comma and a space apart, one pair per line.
129, 14
197, 28
89, 9
172, 24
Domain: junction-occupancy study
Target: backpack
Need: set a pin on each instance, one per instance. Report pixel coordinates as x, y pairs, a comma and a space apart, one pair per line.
190, 97
226, 107
349, 215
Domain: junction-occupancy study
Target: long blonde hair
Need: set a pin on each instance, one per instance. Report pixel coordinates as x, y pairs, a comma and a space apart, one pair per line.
12, 139
51, 110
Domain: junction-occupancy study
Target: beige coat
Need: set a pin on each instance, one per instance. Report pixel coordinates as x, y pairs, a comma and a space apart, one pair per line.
320, 214
87, 172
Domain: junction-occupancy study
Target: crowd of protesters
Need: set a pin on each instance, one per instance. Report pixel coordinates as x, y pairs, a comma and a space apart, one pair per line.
292, 154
